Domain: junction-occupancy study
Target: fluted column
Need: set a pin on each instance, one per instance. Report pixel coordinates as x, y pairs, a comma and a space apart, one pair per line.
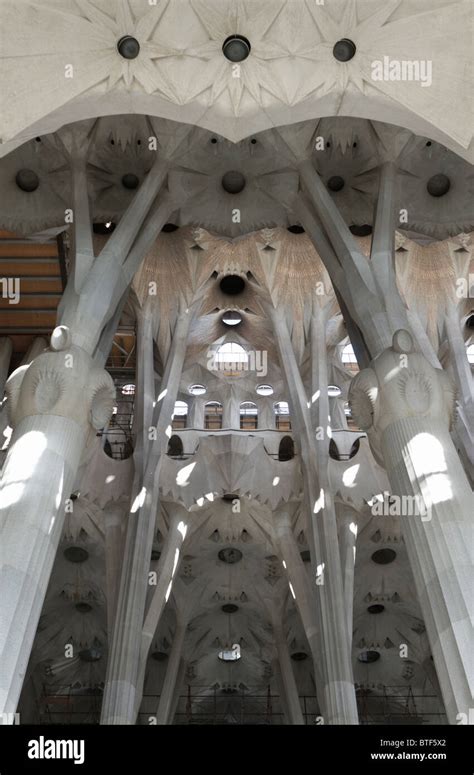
163, 715
406, 406
338, 699
5, 355
53, 404
347, 550
196, 413
123, 687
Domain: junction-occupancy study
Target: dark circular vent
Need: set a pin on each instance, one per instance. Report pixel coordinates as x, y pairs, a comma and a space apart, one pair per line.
230, 608
361, 231
336, 183
230, 497
128, 47
233, 182
159, 656
130, 181
230, 555
384, 556
344, 50
83, 608
90, 655
155, 555
236, 48
232, 284
368, 656
438, 185
296, 229
377, 608
299, 656
27, 180
169, 227
103, 228
76, 554
305, 555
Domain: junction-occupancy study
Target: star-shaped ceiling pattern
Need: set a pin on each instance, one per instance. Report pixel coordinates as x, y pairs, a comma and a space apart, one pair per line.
181, 72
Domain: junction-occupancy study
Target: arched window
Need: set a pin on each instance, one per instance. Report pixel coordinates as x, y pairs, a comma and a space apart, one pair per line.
248, 416
336, 455
470, 353
348, 358
180, 414
282, 416
175, 447
213, 416
286, 450
231, 358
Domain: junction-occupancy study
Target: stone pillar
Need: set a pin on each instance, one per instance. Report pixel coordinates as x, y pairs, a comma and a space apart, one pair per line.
347, 549
287, 676
163, 714
338, 701
231, 412
113, 522
406, 406
304, 597
266, 415
196, 413
53, 404
122, 697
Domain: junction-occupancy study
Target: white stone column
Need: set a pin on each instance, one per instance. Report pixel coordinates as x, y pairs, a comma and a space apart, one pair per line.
286, 671
163, 714
53, 404
196, 413
338, 701
114, 513
122, 696
305, 599
347, 549
406, 406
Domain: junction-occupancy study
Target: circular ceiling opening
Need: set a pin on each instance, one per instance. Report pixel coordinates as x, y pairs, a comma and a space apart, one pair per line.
438, 185
384, 556
377, 608
27, 180
169, 227
264, 390
76, 554
159, 656
128, 47
230, 555
305, 555
230, 497
361, 231
231, 318
296, 229
299, 656
232, 284
233, 182
236, 48
197, 390
130, 181
230, 608
344, 50
368, 656
90, 655
334, 391
336, 183
103, 228
128, 389
83, 608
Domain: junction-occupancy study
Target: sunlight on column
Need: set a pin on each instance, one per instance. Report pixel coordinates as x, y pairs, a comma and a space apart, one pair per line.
28, 451
425, 454
182, 477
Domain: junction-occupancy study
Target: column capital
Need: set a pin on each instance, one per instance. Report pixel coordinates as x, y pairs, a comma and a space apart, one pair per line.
400, 383
62, 382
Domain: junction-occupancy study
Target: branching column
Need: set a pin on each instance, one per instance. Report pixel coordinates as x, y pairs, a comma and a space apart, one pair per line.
339, 701
53, 404
406, 406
